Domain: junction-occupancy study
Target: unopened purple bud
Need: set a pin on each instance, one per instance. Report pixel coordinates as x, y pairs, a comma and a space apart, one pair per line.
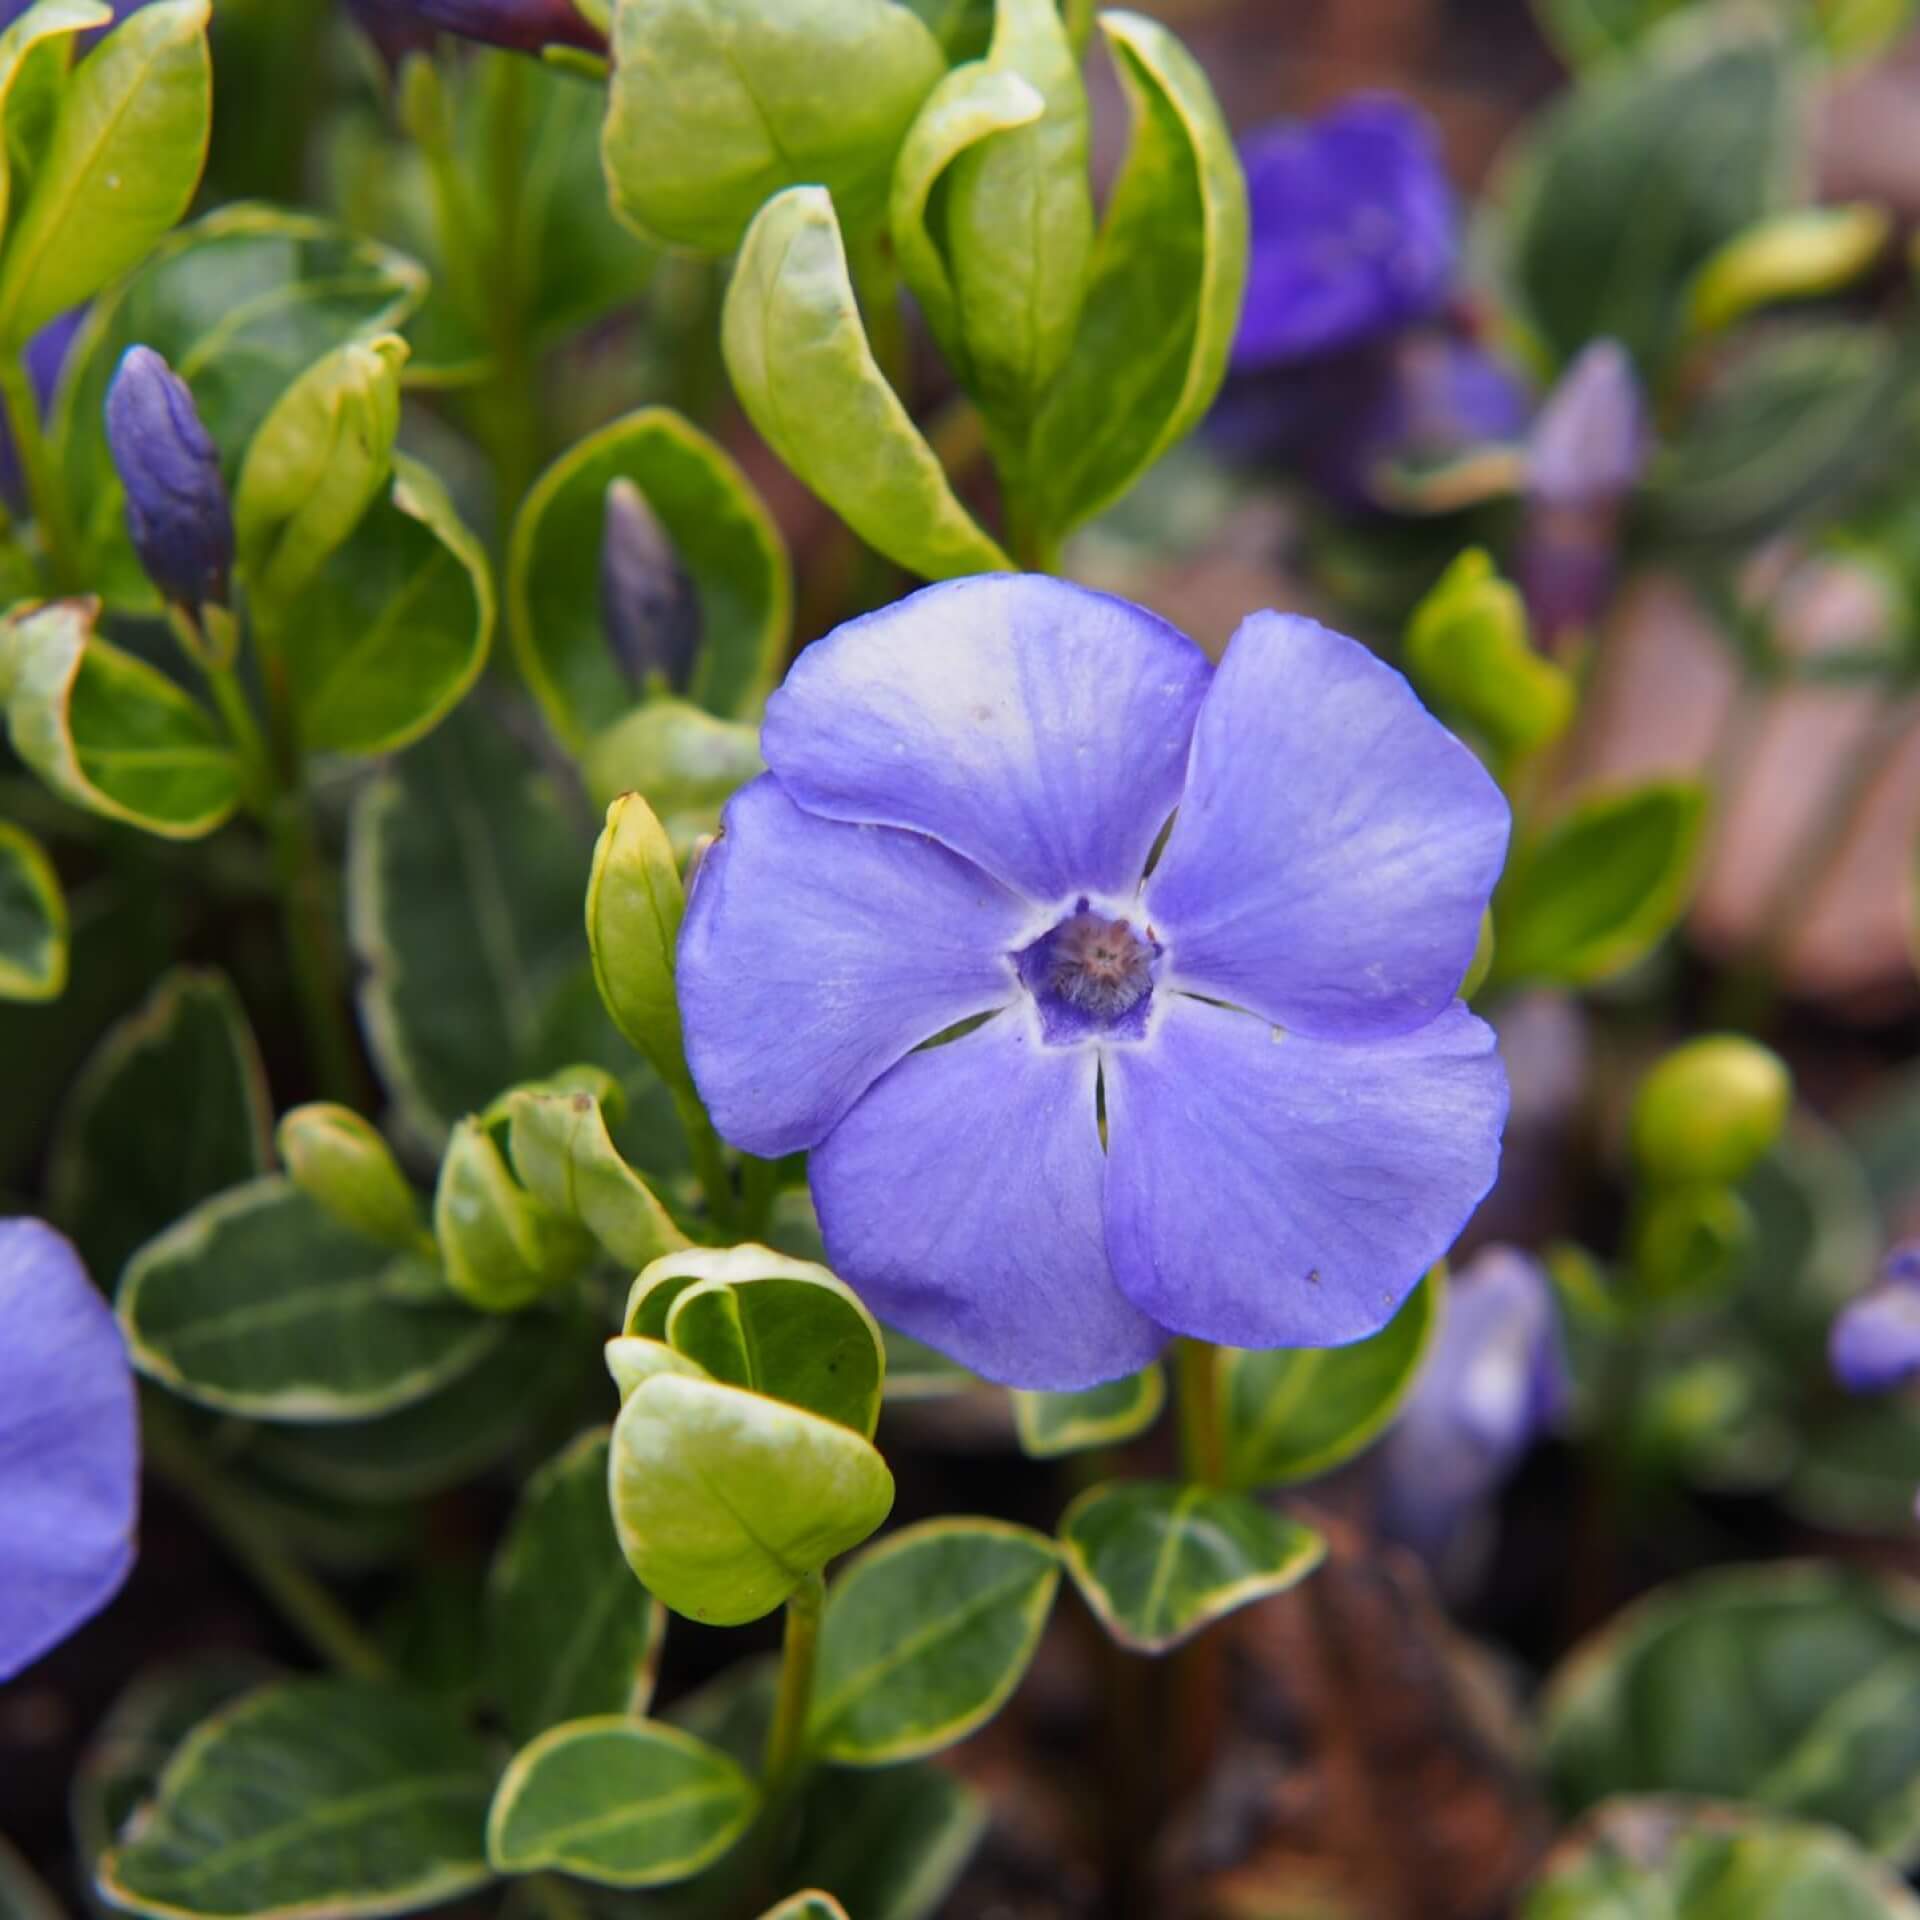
1874, 1343
394, 28
177, 507
1495, 1381
525, 26
1590, 440
647, 598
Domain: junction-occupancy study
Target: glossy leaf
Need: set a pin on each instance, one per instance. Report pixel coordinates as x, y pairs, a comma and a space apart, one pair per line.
1157, 1561
503, 1248
635, 903
1684, 1859
1006, 264
629, 1803
925, 1638
1705, 126
1600, 887
1050, 1424
239, 304
683, 762
797, 349
890, 1843
1169, 268
112, 734
630, 1360
722, 534
125, 1756
811, 1905
464, 879
33, 920
800, 1491
1796, 424
1795, 1687
124, 159
259, 1303
563, 1154
114, 1178
569, 1632
338, 1796
717, 105
395, 628
28, 31
337, 1158
520, 1386
1293, 1413
754, 1318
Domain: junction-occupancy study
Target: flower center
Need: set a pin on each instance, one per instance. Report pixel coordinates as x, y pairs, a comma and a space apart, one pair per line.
1090, 974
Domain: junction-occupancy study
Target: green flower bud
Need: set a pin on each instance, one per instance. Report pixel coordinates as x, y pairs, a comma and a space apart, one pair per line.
1468, 651
1709, 1110
1686, 1245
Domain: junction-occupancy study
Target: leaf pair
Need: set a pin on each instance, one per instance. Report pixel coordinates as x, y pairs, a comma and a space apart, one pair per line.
1090, 365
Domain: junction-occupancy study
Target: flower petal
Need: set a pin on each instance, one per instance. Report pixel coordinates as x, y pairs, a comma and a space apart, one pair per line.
1036, 727
962, 1198
814, 955
1268, 1190
69, 1446
1336, 845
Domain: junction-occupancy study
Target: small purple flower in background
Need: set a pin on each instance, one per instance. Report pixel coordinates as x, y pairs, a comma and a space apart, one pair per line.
525, 26
1346, 364
1495, 1381
1353, 231
69, 1446
177, 508
392, 27
1874, 1343
1589, 445
1233, 1097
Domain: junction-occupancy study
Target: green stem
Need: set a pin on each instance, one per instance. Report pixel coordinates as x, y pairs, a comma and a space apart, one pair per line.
709, 1162
231, 1518
1203, 1435
314, 952
787, 1736
515, 396
36, 471
759, 1188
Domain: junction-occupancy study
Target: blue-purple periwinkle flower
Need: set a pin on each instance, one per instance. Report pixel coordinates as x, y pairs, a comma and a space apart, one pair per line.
1063, 1099
1354, 231
69, 1446
1348, 364
525, 26
1589, 445
647, 599
1874, 1342
177, 509
1495, 1381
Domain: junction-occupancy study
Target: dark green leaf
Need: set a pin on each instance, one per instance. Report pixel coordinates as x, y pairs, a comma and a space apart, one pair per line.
259, 1303
1600, 887
1293, 1413
114, 1178
889, 1844
1157, 1561
33, 920
109, 733
925, 1638
570, 1632
1054, 1423
25, 1896
722, 534
1796, 1687
1679, 1859
629, 1803
342, 1797
1630, 183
